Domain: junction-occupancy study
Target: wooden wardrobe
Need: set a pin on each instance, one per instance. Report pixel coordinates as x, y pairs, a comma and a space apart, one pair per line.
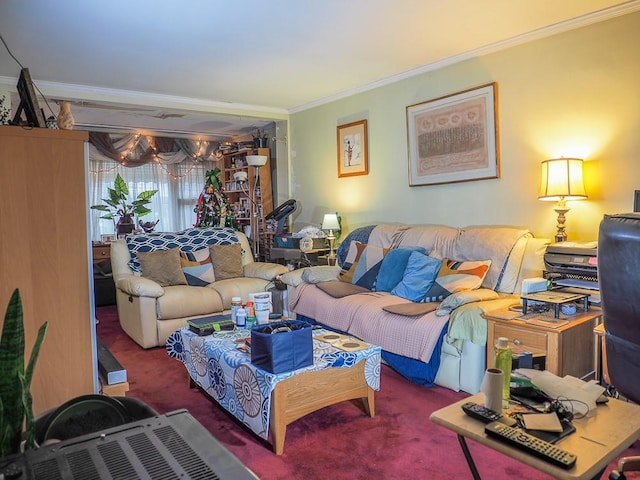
44, 251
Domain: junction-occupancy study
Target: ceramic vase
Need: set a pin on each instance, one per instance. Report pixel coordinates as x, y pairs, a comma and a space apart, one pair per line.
65, 118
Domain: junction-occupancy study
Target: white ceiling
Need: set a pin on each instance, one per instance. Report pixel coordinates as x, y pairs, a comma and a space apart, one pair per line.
173, 62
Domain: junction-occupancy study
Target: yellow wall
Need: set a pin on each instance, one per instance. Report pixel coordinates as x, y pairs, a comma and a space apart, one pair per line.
572, 94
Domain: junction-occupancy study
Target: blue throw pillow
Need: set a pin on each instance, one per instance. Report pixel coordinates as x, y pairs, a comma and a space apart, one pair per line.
393, 266
418, 277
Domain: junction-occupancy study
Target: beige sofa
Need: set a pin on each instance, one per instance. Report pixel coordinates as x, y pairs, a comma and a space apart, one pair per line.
446, 346
149, 313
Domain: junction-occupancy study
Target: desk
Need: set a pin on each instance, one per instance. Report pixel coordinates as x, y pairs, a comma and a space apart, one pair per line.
290, 255
598, 440
267, 402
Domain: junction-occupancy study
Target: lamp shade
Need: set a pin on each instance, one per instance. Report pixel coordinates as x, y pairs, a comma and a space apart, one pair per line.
256, 160
330, 222
562, 180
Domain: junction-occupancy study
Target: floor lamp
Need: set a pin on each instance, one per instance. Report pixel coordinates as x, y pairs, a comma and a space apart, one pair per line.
256, 161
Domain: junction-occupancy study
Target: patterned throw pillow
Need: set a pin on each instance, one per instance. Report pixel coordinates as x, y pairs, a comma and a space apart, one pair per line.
362, 264
197, 267
456, 277
418, 277
227, 261
393, 266
162, 266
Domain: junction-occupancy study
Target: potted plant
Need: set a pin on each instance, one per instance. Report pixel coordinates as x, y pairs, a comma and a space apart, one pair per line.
119, 207
260, 139
16, 403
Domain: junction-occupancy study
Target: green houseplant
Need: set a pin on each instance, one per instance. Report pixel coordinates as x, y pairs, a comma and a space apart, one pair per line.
16, 402
118, 206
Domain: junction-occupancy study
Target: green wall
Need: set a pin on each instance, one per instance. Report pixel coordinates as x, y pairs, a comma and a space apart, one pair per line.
575, 94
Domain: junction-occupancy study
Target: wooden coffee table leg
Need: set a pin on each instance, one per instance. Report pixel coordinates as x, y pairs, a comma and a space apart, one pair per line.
302, 394
369, 403
278, 421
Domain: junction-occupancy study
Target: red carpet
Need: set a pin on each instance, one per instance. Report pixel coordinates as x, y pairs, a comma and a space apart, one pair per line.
338, 442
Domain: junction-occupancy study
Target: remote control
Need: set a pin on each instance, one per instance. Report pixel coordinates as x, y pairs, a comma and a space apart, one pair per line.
528, 443
485, 414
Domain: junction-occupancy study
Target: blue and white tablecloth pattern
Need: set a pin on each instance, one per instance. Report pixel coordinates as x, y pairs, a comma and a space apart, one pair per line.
216, 364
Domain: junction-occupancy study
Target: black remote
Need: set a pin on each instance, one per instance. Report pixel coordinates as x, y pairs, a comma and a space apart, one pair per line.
528, 443
485, 414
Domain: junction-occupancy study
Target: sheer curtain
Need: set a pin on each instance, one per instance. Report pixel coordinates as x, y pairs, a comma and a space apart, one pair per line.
179, 178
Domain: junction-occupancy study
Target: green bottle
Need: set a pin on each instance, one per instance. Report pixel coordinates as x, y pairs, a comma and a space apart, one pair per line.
503, 362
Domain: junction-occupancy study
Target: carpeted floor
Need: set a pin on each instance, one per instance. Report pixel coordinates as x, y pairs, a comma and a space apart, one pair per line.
337, 442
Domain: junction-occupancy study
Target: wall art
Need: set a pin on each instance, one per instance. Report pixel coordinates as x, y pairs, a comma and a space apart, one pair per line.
454, 138
353, 157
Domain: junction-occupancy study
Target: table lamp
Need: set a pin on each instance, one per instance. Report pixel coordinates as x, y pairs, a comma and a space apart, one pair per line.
562, 180
330, 222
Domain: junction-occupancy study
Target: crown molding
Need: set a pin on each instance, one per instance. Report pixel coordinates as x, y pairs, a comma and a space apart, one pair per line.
130, 97
582, 21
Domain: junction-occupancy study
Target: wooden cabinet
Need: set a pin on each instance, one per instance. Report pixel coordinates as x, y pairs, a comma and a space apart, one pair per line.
252, 199
44, 251
568, 349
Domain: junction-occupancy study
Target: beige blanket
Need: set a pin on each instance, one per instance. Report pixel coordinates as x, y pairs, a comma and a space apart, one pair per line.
413, 337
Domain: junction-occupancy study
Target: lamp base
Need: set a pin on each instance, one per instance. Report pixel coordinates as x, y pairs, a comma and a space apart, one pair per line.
561, 234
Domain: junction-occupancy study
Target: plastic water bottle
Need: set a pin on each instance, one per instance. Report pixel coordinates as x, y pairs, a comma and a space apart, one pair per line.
236, 303
251, 315
503, 362
241, 318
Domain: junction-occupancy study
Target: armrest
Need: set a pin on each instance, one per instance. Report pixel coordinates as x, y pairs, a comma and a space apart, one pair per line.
139, 286
264, 270
318, 273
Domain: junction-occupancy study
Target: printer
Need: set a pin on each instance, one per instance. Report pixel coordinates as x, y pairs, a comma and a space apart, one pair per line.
573, 267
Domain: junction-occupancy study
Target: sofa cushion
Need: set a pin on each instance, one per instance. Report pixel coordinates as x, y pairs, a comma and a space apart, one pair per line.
187, 240
362, 264
393, 266
162, 266
227, 261
457, 276
418, 277
197, 267
184, 301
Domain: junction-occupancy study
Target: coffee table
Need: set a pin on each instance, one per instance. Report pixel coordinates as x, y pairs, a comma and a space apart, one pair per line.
267, 402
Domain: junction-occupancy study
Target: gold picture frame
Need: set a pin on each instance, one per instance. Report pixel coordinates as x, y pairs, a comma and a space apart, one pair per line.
353, 152
454, 138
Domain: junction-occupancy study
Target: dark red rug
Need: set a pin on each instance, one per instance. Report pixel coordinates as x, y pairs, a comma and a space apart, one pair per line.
337, 442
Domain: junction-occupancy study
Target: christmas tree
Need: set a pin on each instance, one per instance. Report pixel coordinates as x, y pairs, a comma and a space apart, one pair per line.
213, 208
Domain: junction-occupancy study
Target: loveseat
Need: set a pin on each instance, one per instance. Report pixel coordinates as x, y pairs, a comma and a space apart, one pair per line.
155, 295
419, 292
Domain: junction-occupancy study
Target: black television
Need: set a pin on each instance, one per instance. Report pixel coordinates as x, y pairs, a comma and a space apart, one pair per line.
34, 116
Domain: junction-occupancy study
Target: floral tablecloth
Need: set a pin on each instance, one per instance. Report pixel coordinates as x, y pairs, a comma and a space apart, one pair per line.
216, 364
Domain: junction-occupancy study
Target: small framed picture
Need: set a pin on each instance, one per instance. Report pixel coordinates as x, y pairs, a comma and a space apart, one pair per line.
636, 201
353, 157
107, 238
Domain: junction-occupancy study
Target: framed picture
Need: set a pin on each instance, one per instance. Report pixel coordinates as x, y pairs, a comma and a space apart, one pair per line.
107, 238
353, 157
454, 138
636, 201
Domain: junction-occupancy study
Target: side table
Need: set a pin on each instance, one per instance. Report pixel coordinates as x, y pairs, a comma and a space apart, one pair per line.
569, 348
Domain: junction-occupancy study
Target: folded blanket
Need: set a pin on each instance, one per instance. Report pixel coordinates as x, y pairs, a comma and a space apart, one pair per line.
411, 336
